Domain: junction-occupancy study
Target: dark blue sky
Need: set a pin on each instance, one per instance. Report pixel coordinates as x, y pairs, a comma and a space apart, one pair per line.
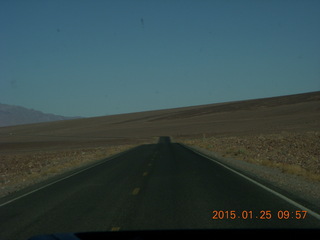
93, 58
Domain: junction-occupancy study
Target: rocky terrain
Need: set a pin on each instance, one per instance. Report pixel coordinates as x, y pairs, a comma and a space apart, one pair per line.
24, 168
288, 161
292, 152
281, 133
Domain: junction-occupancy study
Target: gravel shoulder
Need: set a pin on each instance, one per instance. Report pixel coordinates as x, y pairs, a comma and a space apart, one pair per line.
298, 187
21, 169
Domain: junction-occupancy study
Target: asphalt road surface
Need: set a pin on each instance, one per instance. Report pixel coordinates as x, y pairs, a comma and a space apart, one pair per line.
151, 187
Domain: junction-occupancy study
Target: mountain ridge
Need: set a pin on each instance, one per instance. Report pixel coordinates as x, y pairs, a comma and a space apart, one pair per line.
12, 115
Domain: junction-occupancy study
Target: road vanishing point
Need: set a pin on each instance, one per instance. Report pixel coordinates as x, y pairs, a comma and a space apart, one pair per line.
151, 187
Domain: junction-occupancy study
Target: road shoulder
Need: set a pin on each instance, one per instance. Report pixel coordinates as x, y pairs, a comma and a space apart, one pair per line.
298, 188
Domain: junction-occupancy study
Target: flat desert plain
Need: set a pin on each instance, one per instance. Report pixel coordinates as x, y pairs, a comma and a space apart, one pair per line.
280, 132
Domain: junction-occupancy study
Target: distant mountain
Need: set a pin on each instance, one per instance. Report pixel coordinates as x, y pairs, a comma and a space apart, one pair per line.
15, 115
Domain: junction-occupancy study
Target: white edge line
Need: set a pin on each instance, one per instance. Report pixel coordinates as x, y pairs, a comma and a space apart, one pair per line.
61, 179
313, 213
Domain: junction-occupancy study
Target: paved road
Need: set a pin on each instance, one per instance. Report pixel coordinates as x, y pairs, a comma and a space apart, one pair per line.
156, 186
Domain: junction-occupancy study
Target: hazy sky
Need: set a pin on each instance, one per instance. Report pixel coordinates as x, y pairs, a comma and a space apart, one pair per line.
90, 58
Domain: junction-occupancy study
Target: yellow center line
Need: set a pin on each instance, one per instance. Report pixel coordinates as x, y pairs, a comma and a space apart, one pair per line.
115, 229
135, 191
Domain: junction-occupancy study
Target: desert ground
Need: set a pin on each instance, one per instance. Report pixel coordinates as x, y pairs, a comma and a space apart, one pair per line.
280, 132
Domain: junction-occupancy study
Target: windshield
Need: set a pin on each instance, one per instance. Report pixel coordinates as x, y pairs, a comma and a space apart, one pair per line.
152, 115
